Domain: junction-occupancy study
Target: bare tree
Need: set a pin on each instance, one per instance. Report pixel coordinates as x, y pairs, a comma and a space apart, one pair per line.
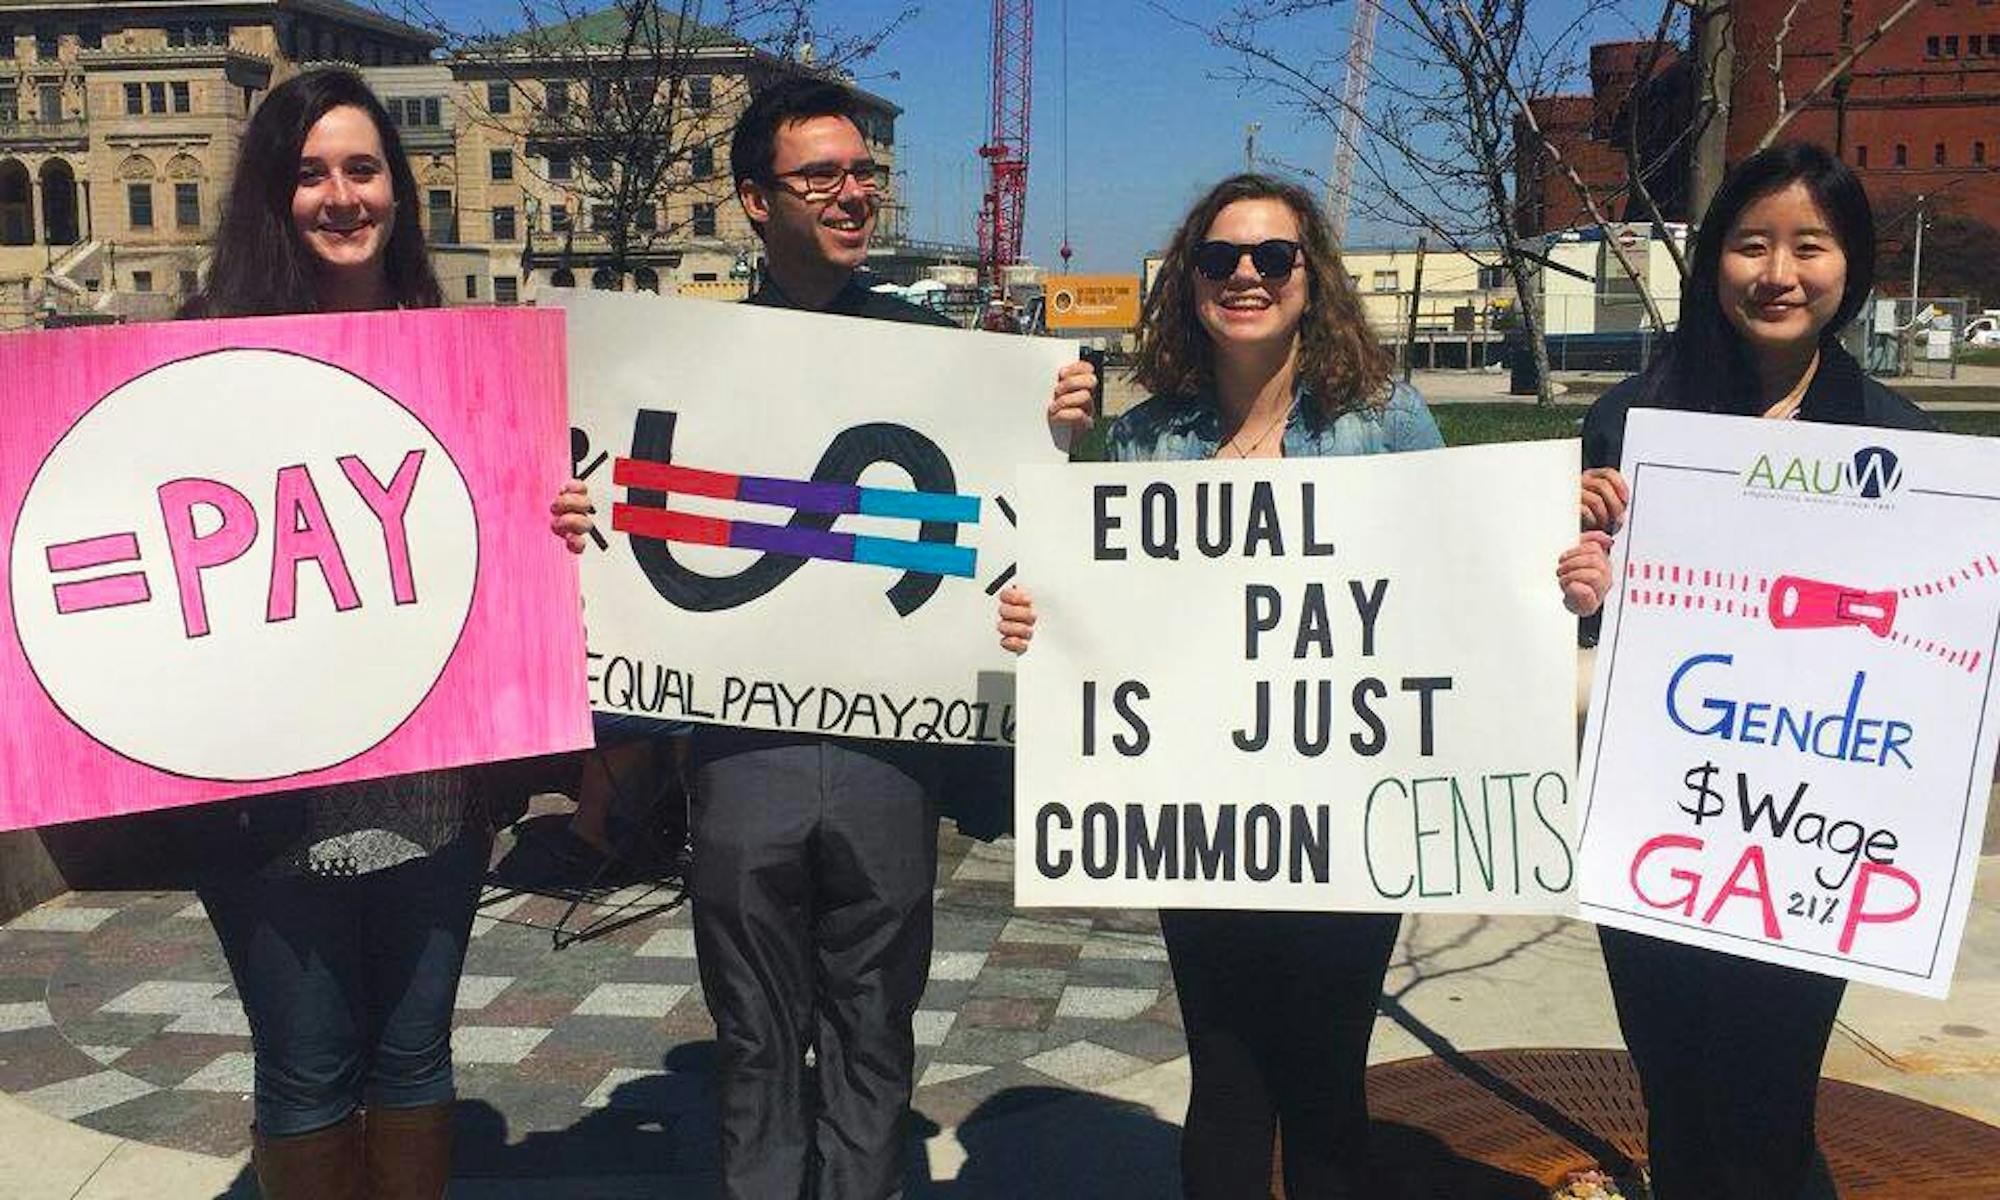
1441, 151
626, 109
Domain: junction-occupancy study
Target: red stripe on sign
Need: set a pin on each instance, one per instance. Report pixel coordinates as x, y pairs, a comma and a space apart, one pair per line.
664, 526
666, 477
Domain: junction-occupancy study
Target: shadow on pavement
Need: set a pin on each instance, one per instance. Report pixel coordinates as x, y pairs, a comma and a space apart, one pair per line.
1044, 1141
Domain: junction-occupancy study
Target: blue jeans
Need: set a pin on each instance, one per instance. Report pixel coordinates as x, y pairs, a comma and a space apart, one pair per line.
349, 984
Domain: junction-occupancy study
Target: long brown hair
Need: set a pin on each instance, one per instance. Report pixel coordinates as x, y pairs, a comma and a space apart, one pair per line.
1340, 363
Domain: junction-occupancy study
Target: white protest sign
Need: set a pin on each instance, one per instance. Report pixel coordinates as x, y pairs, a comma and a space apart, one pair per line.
1315, 684
805, 516
1792, 728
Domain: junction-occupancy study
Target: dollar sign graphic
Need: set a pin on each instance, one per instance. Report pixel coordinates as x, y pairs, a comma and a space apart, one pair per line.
851, 452
1707, 802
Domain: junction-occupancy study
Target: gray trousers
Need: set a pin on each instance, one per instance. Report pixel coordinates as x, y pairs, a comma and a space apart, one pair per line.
813, 869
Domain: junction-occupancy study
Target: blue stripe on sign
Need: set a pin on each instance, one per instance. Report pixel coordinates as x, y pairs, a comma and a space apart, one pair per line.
919, 506
929, 558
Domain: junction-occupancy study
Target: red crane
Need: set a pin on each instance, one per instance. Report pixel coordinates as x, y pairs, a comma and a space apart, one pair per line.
1003, 210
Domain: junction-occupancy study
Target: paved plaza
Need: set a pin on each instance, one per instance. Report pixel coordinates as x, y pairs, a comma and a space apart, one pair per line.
1050, 1053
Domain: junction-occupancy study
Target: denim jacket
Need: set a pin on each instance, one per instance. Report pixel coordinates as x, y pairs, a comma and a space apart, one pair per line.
1185, 427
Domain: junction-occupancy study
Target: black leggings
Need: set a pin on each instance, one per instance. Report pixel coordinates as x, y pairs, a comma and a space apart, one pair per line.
1278, 1007
1729, 1053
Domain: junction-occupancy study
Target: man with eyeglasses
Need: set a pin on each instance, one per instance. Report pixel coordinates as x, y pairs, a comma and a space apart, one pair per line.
815, 856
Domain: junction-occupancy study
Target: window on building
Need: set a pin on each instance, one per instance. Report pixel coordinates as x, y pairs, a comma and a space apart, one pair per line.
600, 95
559, 218
135, 100
10, 102
433, 111
503, 223
704, 220
559, 165
444, 218
1979, 153
1387, 281
1491, 278
142, 281
499, 97
139, 204
500, 164
1975, 45
50, 95
181, 98
46, 42
604, 279
1933, 46
156, 97
1993, 45
701, 93
646, 279
555, 100
1937, 154
1861, 156
600, 167
562, 277
645, 218
187, 205
472, 287
701, 162
1902, 155
186, 283
1951, 45
506, 289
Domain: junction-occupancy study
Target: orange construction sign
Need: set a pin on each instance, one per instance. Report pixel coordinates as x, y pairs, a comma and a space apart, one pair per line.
1092, 301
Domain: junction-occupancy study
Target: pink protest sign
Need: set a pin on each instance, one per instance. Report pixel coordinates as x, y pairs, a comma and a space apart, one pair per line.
255, 555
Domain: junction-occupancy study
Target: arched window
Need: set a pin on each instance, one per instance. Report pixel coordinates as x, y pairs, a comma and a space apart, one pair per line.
604, 279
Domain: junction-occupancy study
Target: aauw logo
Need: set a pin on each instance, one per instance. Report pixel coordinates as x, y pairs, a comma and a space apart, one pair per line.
1872, 473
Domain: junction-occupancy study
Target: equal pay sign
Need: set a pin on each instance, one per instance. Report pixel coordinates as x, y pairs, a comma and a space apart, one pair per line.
834, 499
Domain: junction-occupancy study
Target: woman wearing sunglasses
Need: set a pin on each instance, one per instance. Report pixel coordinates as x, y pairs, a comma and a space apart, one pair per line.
1254, 346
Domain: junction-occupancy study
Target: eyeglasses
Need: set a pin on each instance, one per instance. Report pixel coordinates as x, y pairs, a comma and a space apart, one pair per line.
823, 181
1273, 259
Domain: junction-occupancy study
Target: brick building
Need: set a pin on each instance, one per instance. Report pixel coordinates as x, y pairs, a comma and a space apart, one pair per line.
1637, 91
1919, 113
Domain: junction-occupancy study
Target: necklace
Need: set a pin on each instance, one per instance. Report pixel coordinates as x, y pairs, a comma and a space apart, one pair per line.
1276, 423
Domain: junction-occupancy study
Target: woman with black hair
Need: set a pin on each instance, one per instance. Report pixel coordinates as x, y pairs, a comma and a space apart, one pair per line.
1729, 1049
344, 911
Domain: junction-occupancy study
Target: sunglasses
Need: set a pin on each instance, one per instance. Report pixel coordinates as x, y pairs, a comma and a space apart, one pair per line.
1273, 259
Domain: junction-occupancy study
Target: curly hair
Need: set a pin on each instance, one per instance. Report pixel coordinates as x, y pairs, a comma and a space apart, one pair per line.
1340, 363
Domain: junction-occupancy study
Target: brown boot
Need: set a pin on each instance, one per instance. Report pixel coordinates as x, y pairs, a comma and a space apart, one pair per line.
409, 1152
326, 1164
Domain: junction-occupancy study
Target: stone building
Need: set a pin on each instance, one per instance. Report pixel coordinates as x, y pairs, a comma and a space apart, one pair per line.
120, 119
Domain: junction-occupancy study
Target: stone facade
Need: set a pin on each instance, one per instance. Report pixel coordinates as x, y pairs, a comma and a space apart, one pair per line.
120, 120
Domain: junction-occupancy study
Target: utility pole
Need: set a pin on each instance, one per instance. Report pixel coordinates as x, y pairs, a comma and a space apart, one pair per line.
1715, 52
1416, 299
1250, 133
1917, 261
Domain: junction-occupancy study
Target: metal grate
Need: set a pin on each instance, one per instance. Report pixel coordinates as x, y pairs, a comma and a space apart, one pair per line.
1541, 1114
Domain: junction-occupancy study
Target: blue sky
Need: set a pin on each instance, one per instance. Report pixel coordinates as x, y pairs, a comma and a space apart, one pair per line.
1150, 123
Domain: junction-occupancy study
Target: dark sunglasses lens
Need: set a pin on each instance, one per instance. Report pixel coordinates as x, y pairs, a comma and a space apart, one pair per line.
1216, 260
1273, 259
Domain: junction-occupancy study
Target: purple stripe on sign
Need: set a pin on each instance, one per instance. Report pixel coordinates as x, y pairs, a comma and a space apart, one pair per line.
780, 539
112, 591
94, 552
801, 495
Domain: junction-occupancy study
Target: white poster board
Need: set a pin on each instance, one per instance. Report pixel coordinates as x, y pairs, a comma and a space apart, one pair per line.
1312, 684
805, 516
1792, 729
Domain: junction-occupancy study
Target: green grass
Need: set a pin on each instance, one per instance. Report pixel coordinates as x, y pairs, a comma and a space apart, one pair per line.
1980, 356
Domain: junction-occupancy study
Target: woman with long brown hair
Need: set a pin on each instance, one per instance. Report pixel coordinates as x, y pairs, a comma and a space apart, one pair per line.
343, 911
1254, 345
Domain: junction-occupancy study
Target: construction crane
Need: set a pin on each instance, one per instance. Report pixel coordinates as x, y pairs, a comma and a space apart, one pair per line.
1003, 210
1353, 97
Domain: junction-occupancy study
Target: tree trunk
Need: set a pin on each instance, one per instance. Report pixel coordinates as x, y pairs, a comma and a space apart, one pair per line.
1715, 66
1531, 326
